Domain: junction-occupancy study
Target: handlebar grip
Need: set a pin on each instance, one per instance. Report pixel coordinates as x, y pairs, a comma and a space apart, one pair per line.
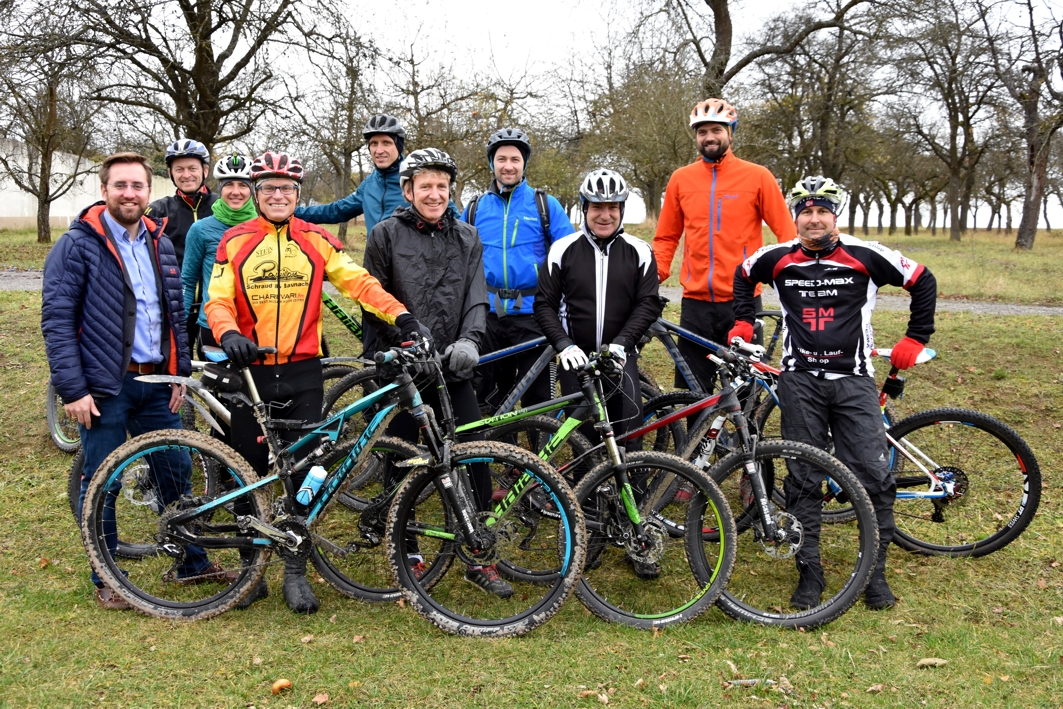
384, 357
727, 355
266, 351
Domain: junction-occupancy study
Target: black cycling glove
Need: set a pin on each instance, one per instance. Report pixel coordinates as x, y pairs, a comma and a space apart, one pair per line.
412, 329
241, 351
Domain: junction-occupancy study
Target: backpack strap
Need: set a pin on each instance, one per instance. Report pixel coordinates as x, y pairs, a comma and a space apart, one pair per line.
544, 215
472, 210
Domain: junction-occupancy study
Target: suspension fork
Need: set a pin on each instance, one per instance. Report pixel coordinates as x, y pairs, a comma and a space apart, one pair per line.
592, 391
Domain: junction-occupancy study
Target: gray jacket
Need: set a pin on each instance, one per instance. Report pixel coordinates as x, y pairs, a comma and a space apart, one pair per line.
435, 270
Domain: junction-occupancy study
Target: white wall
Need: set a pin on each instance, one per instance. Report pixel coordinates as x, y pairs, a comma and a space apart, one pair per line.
18, 209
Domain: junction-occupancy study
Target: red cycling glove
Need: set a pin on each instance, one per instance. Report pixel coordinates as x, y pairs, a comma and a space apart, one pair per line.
905, 352
741, 329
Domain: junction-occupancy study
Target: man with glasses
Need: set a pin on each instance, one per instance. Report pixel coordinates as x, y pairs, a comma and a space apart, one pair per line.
112, 311
265, 291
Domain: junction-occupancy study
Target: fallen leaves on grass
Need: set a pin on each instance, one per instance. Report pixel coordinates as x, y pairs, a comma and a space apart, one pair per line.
320, 699
358, 639
1058, 620
43, 563
307, 639
931, 662
875, 689
354, 684
256, 660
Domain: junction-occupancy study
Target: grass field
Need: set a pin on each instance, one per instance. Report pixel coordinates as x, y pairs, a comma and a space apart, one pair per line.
997, 621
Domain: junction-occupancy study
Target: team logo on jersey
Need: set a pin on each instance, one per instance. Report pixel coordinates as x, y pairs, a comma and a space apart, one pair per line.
267, 271
817, 320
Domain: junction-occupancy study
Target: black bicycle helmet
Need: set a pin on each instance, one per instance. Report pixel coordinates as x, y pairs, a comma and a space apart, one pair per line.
426, 159
388, 125
509, 136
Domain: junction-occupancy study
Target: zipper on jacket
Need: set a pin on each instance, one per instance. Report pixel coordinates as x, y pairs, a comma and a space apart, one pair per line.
277, 317
712, 210
505, 254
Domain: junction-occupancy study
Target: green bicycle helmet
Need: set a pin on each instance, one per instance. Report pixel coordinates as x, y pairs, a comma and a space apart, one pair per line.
816, 191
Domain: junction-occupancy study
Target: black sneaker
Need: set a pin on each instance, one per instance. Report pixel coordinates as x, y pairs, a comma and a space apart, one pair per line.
647, 570
487, 578
809, 592
260, 591
878, 595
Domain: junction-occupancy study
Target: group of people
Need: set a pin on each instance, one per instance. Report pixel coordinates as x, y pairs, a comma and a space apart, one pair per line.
132, 286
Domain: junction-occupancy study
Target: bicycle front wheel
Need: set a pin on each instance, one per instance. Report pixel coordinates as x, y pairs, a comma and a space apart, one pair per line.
993, 476
349, 549
765, 573
422, 524
180, 580
63, 429
657, 579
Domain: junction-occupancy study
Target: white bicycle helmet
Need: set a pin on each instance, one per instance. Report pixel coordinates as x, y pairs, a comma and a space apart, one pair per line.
233, 167
603, 186
714, 110
426, 159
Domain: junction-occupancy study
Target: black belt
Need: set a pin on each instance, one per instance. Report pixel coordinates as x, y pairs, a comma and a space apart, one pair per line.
511, 294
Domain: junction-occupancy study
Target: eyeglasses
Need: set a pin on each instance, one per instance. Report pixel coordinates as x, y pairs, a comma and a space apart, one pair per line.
273, 189
123, 186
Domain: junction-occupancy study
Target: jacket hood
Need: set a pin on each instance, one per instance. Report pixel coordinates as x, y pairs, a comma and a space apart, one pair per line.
91, 220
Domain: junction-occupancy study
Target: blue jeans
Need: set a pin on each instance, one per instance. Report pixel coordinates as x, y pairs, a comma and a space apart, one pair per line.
138, 408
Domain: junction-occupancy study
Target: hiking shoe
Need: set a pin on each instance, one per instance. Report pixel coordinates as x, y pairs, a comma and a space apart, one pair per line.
878, 595
260, 591
110, 601
647, 570
684, 493
809, 591
417, 567
487, 578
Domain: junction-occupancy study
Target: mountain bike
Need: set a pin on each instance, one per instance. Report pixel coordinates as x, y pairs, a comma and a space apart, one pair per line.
967, 483
720, 440
241, 527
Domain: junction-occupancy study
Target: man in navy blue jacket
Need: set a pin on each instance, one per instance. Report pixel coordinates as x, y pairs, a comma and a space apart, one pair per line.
111, 311
509, 219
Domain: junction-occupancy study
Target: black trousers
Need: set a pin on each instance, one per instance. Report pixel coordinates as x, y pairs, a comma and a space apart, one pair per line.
466, 410
624, 402
848, 408
498, 378
295, 390
712, 321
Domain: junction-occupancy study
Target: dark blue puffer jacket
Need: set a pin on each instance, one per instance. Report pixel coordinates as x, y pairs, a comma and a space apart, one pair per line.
88, 310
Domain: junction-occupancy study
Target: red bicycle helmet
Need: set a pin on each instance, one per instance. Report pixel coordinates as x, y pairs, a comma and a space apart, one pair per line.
270, 164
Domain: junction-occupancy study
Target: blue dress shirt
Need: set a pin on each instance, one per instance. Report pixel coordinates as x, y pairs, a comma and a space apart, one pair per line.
140, 269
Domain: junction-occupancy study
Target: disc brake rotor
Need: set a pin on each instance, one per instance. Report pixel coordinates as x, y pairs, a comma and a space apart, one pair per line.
793, 537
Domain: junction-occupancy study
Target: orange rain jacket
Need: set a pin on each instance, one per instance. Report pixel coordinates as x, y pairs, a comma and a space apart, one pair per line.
720, 206
259, 265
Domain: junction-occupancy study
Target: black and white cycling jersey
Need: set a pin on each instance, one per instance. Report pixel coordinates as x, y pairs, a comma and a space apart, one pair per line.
828, 296
594, 293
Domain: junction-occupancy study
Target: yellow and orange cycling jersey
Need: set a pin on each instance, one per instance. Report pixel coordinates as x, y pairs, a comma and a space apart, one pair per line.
267, 281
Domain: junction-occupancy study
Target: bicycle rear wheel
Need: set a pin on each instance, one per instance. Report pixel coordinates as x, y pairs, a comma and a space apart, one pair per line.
179, 581
63, 429
424, 524
765, 575
996, 477
692, 570
348, 546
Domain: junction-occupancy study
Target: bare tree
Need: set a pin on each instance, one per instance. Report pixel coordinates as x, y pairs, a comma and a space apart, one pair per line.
44, 76
330, 115
945, 59
200, 65
707, 32
1028, 59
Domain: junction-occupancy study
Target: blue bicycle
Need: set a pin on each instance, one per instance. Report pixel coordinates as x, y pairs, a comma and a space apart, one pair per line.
213, 549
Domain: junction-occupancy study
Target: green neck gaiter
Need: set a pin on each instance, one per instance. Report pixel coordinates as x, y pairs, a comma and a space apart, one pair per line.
231, 217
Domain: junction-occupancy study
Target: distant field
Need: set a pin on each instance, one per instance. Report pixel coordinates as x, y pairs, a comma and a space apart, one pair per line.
984, 266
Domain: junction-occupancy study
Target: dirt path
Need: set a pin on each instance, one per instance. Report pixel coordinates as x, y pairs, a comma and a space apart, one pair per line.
32, 281
897, 302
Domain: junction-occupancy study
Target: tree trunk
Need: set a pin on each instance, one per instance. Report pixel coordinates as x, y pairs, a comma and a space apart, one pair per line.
44, 198
1048, 226
866, 208
907, 219
934, 217
893, 218
881, 216
1008, 207
345, 189
917, 217
953, 198
852, 215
